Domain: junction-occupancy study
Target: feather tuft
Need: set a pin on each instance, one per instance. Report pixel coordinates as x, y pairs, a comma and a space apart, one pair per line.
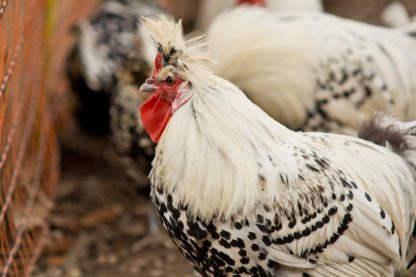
189, 57
380, 129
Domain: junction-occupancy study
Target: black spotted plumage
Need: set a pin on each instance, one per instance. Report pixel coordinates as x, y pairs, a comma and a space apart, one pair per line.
105, 67
243, 244
219, 251
217, 247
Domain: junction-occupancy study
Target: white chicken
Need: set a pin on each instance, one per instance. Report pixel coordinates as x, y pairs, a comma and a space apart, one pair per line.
314, 71
240, 194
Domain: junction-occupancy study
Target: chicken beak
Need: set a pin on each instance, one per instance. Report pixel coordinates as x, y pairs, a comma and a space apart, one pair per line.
147, 87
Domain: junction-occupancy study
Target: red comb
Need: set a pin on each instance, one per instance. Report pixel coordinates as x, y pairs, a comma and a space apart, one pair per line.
158, 65
261, 3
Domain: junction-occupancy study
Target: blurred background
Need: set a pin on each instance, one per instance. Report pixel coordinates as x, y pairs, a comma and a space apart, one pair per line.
73, 186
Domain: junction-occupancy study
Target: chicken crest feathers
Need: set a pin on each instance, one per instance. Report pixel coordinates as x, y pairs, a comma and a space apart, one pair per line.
189, 57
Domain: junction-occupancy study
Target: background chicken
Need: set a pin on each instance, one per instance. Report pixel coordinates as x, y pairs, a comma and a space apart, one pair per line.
109, 44
316, 72
241, 194
110, 59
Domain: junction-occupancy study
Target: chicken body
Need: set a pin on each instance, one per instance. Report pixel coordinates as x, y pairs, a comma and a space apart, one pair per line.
240, 194
314, 71
110, 59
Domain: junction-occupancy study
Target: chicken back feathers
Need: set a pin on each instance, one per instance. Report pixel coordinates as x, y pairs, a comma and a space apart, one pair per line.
314, 71
239, 193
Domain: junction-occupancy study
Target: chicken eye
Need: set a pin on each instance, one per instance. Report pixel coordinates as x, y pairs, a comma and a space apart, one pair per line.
169, 80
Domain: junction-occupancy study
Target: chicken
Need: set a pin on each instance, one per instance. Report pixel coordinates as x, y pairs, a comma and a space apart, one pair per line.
105, 45
112, 56
134, 149
241, 194
314, 71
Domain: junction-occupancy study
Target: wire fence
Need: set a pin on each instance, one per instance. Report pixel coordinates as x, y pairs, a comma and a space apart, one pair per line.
35, 37
28, 149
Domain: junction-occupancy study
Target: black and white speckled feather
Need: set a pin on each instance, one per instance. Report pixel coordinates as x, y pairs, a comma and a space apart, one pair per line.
311, 229
110, 41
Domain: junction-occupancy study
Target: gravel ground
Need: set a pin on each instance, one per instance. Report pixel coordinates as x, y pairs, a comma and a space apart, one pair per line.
102, 226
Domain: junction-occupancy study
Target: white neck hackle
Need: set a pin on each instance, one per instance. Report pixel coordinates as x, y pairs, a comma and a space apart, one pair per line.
216, 150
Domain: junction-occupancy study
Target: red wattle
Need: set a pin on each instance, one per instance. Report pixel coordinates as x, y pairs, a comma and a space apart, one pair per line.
155, 115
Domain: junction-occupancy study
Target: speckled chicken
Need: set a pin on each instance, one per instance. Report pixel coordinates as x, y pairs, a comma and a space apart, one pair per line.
314, 71
242, 195
111, 58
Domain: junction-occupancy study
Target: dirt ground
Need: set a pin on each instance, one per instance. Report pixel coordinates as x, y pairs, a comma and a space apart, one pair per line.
103, 226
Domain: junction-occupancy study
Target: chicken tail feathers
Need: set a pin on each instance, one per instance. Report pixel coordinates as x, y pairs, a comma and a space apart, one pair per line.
389, 132
386, 131
400, 137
